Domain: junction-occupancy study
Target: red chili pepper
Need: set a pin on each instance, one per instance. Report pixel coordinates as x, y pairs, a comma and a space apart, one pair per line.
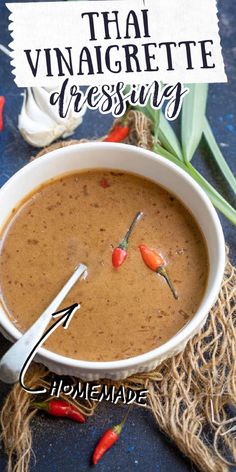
117, 134
104, 183
151, 258
107, 440
62, 409
156, 262
119, 254
2, 103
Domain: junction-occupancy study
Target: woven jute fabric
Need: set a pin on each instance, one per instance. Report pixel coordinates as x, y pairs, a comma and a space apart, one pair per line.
192, 395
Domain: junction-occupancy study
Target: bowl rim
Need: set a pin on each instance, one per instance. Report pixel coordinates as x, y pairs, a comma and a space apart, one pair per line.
190, 327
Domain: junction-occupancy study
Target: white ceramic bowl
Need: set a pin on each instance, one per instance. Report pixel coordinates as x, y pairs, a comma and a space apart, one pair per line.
158, 169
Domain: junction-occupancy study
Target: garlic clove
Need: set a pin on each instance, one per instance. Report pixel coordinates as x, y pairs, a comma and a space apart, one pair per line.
39, 122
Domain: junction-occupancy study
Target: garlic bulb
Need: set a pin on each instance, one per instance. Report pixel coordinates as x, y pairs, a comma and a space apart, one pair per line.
39, 122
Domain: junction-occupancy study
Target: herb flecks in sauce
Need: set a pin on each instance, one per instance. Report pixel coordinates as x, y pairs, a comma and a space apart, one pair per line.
68, 212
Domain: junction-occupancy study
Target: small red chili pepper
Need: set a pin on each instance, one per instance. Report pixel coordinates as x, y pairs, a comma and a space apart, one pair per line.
2, 103
117, 134
62, 409
119, 254
157, 263
104, 183
107, 440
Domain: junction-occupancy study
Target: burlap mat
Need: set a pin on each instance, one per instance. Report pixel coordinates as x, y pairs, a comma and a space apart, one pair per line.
192, 395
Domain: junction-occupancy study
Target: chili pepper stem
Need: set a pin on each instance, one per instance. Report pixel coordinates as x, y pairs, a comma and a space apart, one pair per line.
162, 271
119, 253
118, 428
125, 241
40, 406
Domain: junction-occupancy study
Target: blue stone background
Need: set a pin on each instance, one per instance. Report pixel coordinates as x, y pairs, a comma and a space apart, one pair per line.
61, 445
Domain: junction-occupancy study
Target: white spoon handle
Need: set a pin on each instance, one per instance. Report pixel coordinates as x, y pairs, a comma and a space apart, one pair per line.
14, 359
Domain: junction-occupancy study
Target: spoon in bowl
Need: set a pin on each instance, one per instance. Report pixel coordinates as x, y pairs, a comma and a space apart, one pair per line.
13, 361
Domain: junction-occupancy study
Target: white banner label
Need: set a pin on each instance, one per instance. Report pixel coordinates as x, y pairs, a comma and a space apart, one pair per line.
103, 42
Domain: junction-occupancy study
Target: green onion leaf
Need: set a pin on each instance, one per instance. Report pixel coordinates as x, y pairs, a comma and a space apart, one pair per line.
192, 119
218, 201
168, 137
164, 153
218, 156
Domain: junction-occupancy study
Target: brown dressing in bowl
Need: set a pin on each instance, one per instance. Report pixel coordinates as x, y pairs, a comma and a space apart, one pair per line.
75, 219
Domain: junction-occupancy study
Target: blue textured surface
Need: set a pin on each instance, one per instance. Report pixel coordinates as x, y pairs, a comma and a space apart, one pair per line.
62, 445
